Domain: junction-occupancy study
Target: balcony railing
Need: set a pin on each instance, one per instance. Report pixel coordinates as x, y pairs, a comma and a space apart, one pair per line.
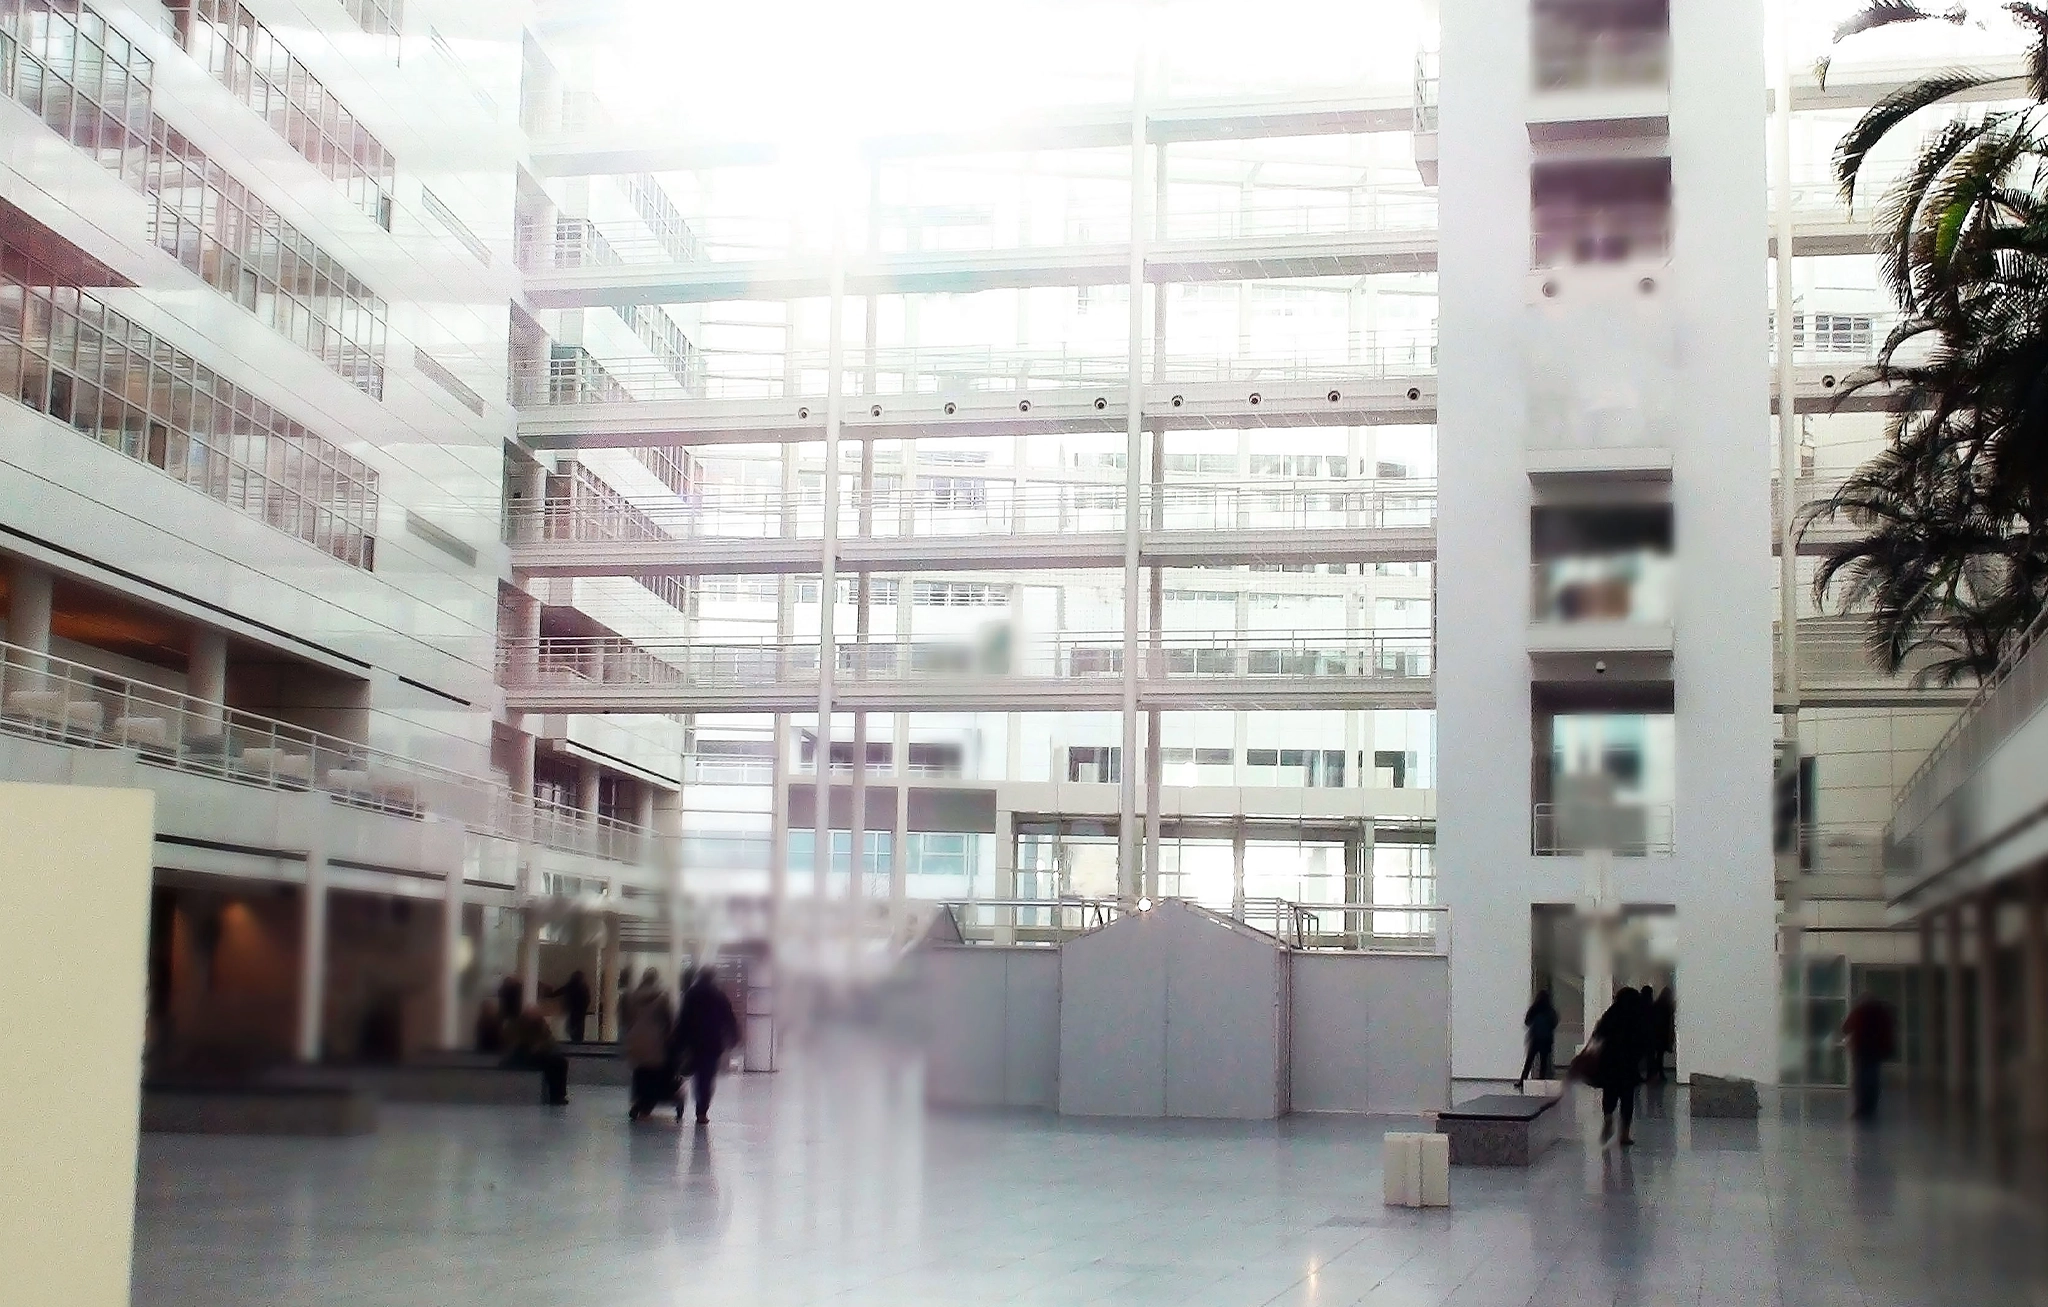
2008, 698
1623, 828
1349, 927
44, 697
1280, 655
728, 374
983, 503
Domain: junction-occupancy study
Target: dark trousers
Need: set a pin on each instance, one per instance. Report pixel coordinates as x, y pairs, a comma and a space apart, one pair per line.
554, 1075
704, 1079
1538, 1059
1867, 1077
576, 1021
1624, 1097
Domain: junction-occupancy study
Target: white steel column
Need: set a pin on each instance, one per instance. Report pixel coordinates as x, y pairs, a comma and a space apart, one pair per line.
1156, 611
856, 872
608, 982
1788, 416
450, 960
1237, 843
1129, 879
1006, 874
828, 595
313, 932
899, 840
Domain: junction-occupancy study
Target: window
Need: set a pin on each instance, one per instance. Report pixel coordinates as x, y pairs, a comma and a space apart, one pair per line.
244, 56
377, 17
959, 594
66, 354
1094, 765
663, 218
952, 492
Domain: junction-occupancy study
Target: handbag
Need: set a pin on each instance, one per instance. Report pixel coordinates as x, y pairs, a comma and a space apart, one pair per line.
1585, 1065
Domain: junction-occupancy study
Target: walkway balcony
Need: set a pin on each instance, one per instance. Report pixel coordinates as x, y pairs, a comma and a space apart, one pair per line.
982, 523
1067, 673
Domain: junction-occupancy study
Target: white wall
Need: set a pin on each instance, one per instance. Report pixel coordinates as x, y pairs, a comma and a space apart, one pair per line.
992, 1026
1173, 1012
1371, 1033
75, 867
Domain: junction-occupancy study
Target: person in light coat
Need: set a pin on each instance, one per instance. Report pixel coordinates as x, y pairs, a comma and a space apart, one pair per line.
650, 1016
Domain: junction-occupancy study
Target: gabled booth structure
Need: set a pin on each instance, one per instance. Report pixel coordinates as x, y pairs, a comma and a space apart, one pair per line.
1183, 1012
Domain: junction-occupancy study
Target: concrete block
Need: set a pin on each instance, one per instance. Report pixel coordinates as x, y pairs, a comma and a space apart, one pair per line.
1723, 1096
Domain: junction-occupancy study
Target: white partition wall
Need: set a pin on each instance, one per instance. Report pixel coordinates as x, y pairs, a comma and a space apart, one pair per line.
1174, 1012
1372, 1033
74, 891
992, 1026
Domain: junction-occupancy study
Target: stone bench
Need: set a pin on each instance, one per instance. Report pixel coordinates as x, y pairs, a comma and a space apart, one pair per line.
1501, 1129
1726, 1097
597, 1064
451, 1081
257, 1109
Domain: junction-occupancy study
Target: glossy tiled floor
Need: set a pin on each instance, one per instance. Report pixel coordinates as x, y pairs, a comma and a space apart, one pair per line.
831, 1186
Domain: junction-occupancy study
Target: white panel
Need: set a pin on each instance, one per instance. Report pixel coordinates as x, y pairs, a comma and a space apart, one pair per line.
1031, 1029
1371, 1033
1223, 1015
963, 990
74, 871
1113, 1020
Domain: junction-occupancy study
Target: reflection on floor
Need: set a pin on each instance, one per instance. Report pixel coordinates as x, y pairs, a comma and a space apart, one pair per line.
830, 1184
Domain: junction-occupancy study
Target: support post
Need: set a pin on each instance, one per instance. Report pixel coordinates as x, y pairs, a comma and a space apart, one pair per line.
30, 599
1952, 1006
857, 866
899, 839
608, 982
828, 593
206, 676
2034, 1003
1006, 874
1990, 1053
450, 959
1926, 1071
1129, 880
313, 933
1237, 850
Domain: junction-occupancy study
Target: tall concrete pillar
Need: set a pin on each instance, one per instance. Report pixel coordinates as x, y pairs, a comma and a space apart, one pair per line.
1990, 1004
1953, 1071
1237, 849
589, 785
206, 675
313, 933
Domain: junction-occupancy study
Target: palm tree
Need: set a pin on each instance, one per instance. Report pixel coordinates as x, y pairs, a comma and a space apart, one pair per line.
1950, 565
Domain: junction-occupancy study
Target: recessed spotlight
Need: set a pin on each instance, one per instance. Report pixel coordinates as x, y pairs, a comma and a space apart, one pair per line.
949, 408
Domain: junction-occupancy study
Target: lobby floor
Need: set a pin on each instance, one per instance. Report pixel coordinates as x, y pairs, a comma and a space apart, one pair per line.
829, 1184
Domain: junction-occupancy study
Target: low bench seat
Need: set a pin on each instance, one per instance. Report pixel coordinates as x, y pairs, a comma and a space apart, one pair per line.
1501, 1129
199, 1108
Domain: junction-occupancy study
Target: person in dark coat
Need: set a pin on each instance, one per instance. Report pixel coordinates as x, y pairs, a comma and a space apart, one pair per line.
1664, 1023
1872, 1036
705, 1030
1539, 1026
574, 996
1622, 1031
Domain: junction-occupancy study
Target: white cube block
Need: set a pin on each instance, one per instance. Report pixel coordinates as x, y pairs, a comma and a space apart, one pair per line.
1434, 1163
1417, 1169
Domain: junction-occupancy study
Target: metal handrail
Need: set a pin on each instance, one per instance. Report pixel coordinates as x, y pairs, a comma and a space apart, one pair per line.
46, 697
614, 660
590, 379
979, 502
1550, 837
2007, 698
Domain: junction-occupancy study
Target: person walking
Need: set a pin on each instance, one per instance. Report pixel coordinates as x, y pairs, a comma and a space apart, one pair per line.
705, 1031
1621, 1033
1664, 1026
574, 996
1539, 1034
649, 1017
1871, 1033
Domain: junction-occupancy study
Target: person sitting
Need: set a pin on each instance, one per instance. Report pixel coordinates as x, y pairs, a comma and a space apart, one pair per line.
530, 1043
